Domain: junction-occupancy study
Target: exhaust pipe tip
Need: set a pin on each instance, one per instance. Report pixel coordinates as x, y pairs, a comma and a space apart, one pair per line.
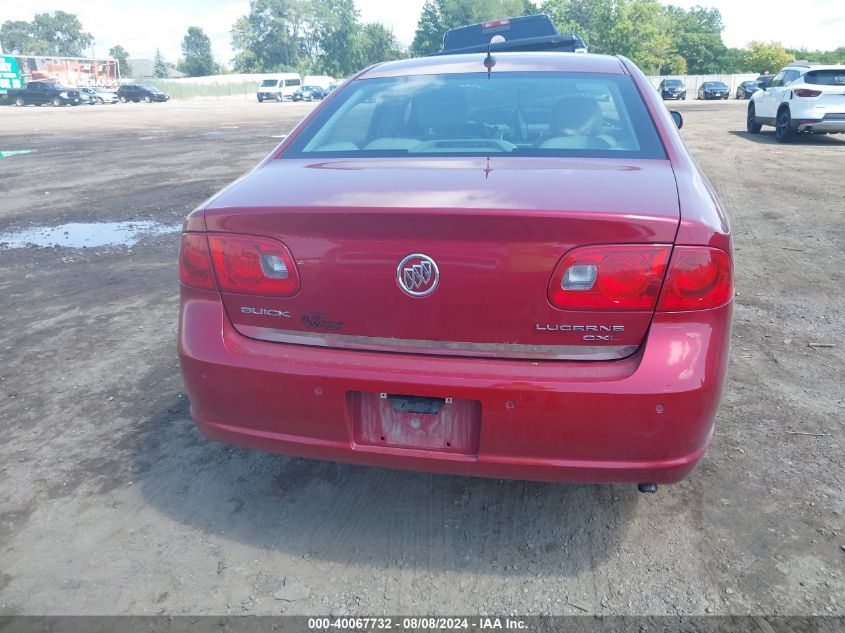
650, 487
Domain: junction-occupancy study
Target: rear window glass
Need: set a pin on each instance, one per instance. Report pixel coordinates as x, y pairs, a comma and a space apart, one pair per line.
831, 77
516, 113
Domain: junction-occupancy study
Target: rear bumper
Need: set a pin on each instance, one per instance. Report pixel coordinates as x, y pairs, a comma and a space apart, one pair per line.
826, 126
645, 418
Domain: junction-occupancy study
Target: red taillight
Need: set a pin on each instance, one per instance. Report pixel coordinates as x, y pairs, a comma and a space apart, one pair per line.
253, 265
195, 263
806, 92
699, 278
619, 277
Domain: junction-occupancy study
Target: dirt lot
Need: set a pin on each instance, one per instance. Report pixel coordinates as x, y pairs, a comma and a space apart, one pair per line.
112, 502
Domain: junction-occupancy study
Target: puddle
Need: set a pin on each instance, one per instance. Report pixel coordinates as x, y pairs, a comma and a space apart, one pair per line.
86, 234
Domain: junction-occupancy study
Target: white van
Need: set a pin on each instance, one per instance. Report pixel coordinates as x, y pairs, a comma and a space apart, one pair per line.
323, 81
278, 87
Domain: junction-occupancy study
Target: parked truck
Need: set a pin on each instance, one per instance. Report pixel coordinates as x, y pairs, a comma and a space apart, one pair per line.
43, 93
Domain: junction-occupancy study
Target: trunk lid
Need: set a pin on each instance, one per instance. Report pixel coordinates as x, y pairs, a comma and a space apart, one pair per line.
496, 228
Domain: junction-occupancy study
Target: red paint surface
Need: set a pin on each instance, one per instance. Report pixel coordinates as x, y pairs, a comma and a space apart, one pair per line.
496, 236
572, 421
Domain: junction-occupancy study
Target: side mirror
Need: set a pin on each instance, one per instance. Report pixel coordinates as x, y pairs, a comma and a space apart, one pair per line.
677, 118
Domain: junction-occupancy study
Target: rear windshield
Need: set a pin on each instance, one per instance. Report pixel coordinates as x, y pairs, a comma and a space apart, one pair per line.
516, 113
831, 77
268, 83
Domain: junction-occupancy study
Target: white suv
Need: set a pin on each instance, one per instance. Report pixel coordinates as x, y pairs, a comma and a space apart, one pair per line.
802, 97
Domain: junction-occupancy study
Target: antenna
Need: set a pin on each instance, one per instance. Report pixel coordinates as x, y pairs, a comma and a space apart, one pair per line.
489, 61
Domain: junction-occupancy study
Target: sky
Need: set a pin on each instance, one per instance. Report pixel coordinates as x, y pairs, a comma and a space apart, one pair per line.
141, 27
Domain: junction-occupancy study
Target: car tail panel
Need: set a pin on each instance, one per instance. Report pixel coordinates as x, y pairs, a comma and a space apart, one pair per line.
460, 268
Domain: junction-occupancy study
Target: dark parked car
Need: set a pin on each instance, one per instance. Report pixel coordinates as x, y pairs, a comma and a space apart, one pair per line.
44, 92
672, 89
746, 89
310, 93
714, 90
141, 92
763, 81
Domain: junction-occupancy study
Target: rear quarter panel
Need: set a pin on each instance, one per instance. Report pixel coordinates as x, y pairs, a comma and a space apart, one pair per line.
703, 219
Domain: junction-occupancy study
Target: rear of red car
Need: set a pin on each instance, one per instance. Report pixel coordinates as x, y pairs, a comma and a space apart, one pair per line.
523, 279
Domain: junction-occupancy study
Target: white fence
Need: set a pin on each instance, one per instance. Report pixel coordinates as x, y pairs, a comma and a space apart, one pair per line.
692, 82
244, 84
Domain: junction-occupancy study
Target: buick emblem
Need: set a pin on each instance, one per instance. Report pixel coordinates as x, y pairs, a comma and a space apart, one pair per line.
417, 275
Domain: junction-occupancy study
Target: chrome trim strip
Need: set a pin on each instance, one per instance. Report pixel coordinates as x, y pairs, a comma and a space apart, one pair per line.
438, 348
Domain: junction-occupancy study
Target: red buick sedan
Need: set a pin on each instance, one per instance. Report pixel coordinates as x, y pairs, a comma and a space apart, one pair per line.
517, 274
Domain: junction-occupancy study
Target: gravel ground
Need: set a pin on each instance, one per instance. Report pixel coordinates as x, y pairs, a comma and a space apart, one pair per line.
113, 503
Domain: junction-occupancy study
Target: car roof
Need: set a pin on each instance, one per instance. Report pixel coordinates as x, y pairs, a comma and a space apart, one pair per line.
804, 67
505, 62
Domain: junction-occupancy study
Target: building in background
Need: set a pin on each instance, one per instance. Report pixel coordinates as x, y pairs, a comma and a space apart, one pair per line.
145, 69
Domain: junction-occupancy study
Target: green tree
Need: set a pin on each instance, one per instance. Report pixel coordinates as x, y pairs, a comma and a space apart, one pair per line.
732, 61
696, 36
589, 19
338, 37
438, 16
674, 65
197, 60
122, 57
58, 33
836, 56
428, 38
766, 56
159, 67
271, 36
378, 44
16, 35
638, 31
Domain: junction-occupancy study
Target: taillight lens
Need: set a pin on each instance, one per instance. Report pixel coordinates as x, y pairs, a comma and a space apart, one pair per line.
195, 262
253, 265
806, 92
699, 278
618, 277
